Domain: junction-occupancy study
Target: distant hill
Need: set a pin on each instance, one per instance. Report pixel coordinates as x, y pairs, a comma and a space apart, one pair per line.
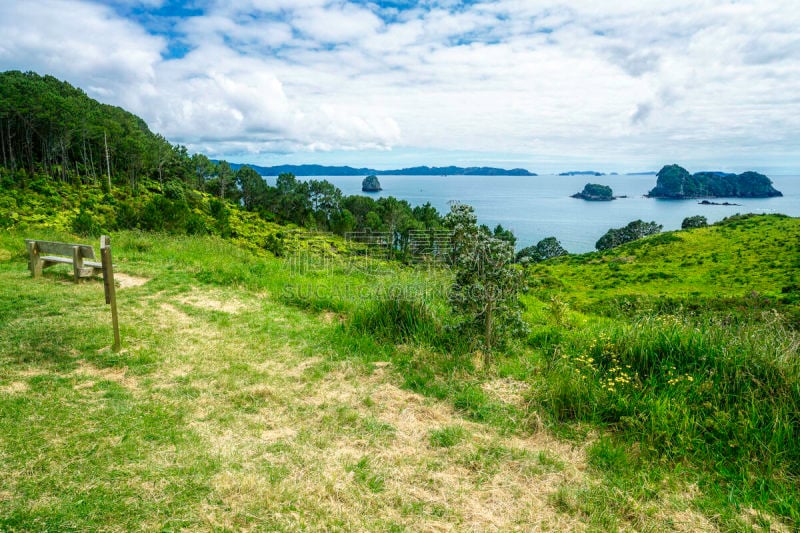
322, 170
675, 182
582, 173
647, 173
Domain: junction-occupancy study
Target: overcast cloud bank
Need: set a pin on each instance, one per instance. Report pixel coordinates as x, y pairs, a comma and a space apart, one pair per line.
629, 85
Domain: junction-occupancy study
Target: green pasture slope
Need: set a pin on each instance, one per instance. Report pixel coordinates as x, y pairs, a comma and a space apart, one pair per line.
659, 389
746, 263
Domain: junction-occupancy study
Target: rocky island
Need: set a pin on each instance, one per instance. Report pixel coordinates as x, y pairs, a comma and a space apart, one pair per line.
371, 184
675, 182
595, 192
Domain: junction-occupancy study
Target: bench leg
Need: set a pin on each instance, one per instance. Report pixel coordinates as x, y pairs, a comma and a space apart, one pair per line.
35, 262
77, 263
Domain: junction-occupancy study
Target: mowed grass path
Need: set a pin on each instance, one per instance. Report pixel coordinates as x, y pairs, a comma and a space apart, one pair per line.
229, 410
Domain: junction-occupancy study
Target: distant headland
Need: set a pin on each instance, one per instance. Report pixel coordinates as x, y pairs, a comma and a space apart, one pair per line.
675, 182
323, 170
582, 173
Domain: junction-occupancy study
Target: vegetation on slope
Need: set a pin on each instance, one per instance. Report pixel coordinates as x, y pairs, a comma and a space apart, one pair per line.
681, 396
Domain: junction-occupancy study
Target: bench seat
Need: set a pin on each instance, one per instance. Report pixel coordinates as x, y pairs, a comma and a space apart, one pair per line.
68, 261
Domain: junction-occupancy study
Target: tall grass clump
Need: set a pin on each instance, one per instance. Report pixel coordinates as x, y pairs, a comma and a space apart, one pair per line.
724, 396
395, 320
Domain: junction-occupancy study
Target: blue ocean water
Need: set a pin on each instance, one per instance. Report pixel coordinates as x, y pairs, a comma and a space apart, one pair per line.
535, 207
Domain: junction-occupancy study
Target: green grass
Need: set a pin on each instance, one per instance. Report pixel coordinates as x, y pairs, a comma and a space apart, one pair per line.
447, 436
741, 266
327, 392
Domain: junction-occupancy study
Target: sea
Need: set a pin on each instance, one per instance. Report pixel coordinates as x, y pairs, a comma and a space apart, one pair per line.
535, 207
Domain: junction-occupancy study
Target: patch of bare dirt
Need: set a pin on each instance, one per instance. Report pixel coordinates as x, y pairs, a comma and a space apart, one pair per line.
506, 390
688, 521
212, 301
31, 372
117, 375
411, 414
126, 281
15, 387
298, 370
329, 317
758, 520
177, 315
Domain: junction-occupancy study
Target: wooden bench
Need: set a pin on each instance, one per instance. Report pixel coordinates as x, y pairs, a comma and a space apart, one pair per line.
42, 254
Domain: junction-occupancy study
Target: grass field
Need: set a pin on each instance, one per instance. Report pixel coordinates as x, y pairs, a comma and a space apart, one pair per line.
264, 394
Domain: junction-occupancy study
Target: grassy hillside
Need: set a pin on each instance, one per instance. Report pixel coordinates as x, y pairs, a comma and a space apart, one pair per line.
743, 264
319, 392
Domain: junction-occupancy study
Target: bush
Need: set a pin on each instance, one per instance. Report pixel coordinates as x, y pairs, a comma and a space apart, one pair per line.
697, 221
163, 214
633, 231
85, 225
485, 293
545, 249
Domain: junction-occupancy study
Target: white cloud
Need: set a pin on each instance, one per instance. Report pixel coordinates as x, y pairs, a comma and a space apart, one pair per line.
337, 24
81, 41
574, 78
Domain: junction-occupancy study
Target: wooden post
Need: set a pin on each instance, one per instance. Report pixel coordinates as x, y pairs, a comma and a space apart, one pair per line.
108, 284
34, 259
77, 263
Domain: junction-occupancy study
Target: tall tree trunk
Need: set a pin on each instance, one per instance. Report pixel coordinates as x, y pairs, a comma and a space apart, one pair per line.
83, 153
108, 162
64, 160
11, 157
3, 146
91, 162
29, 149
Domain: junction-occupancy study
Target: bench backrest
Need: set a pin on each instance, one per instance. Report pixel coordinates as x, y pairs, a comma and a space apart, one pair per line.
62, 248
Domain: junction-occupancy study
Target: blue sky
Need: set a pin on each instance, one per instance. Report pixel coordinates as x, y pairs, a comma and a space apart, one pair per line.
544, 85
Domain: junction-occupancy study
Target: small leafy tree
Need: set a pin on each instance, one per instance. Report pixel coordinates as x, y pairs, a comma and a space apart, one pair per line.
633, 231
485, 292
697, 221
505, 235
545, 249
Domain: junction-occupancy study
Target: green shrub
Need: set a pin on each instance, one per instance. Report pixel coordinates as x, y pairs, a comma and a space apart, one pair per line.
697, 221
85, 225
633, 231
395, 320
